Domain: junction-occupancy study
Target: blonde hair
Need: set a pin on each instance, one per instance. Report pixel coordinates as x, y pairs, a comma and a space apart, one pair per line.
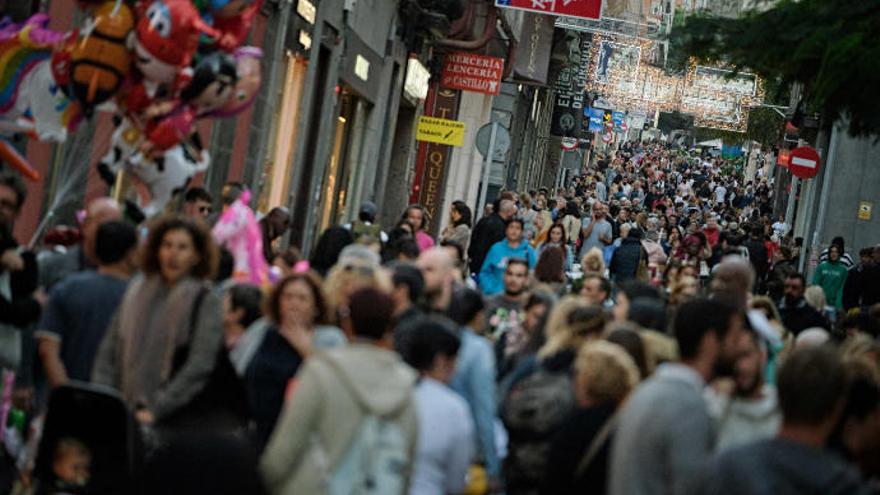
571, 322
815, 297
768, 306
350, 275
593, 261
606, 372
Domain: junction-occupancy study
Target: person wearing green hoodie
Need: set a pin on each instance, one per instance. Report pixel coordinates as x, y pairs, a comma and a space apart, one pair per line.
831, 276
336, 395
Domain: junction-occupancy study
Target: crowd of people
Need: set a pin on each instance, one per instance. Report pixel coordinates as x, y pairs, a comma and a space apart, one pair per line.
643, 330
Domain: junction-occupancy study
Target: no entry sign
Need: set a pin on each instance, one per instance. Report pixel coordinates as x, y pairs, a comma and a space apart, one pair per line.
470, 72
804, 162
585, 9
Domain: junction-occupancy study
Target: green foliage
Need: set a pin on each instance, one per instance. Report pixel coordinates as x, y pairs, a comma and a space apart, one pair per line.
729, 138
832, 47
764, 126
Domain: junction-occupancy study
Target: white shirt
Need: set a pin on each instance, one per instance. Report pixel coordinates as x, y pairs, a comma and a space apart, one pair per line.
446, 443
720, 194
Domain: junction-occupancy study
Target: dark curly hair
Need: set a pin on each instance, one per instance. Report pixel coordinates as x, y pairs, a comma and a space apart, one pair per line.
201, 239
273, 302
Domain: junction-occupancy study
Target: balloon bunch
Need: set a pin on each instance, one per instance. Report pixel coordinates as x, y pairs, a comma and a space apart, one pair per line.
160, 65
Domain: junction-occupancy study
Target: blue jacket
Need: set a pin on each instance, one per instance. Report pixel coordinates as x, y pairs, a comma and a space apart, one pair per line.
492, 272
474, 380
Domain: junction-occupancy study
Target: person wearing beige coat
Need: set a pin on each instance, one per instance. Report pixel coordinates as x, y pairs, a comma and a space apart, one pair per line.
334, 392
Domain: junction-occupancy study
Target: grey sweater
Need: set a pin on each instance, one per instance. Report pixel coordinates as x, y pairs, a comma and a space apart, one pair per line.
664, 436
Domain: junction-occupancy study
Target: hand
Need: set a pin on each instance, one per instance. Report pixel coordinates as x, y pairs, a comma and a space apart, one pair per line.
11, 260
40, 296
144, 417
298, 335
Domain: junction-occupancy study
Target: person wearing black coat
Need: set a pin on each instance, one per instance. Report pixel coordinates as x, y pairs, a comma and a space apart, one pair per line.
487, 232
628, 257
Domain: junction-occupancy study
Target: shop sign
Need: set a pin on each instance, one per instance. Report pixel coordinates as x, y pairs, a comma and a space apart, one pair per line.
361, 67
865, 210
433, 158
584, 9
471, 72
532, 61
415, 84
307, 11
571, 51
440, 131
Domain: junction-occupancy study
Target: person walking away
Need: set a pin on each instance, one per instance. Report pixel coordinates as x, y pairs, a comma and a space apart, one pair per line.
416, 216
513, 246
446, 442
56, 266
812, 385
758, 255
459, 228
665, 432
81, 306
604, 376
540, 395
630, 260
474, 376
749, 412
487, 232
273, 226
831, 276
165, 342
366, 225
298, 312
350, 424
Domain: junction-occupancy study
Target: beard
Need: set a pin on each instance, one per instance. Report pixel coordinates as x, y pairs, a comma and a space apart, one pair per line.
724, 367
747, 389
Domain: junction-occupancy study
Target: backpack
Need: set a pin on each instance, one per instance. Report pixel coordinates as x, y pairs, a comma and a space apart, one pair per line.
375, 462
533, 409
360, 228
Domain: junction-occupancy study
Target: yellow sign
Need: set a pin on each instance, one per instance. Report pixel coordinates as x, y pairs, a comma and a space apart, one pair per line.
440, 131
865, 208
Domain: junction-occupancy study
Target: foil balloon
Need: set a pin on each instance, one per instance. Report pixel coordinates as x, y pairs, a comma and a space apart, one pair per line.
212, 84
163, 176
32, 103
247, 64
100, 61
231, 19
238, 230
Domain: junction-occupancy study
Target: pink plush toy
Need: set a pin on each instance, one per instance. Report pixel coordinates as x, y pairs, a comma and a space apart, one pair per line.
238, 230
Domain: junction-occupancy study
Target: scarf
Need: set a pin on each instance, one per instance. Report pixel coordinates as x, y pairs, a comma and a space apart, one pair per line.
154, 322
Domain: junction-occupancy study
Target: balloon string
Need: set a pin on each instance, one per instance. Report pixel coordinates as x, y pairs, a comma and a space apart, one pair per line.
116, 8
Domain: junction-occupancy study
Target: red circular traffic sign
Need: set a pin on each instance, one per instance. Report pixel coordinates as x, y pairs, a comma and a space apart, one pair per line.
804, 162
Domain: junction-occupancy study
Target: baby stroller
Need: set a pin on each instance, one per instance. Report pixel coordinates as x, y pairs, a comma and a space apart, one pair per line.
90, 443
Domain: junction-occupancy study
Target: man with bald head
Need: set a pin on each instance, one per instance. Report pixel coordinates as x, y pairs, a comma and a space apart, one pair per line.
488, 231
596, 229
81, 257
438, 272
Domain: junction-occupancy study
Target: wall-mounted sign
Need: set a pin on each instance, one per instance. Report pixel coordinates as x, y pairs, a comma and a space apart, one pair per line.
571, 51
440, 131
415, 84
584, 9
306, 10
865, 209
361, 67
532, 59
470, 72
305, 39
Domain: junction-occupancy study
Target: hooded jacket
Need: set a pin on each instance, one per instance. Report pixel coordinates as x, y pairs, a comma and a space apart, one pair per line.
335, 391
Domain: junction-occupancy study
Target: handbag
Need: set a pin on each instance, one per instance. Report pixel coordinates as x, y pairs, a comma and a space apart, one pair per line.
596, 444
